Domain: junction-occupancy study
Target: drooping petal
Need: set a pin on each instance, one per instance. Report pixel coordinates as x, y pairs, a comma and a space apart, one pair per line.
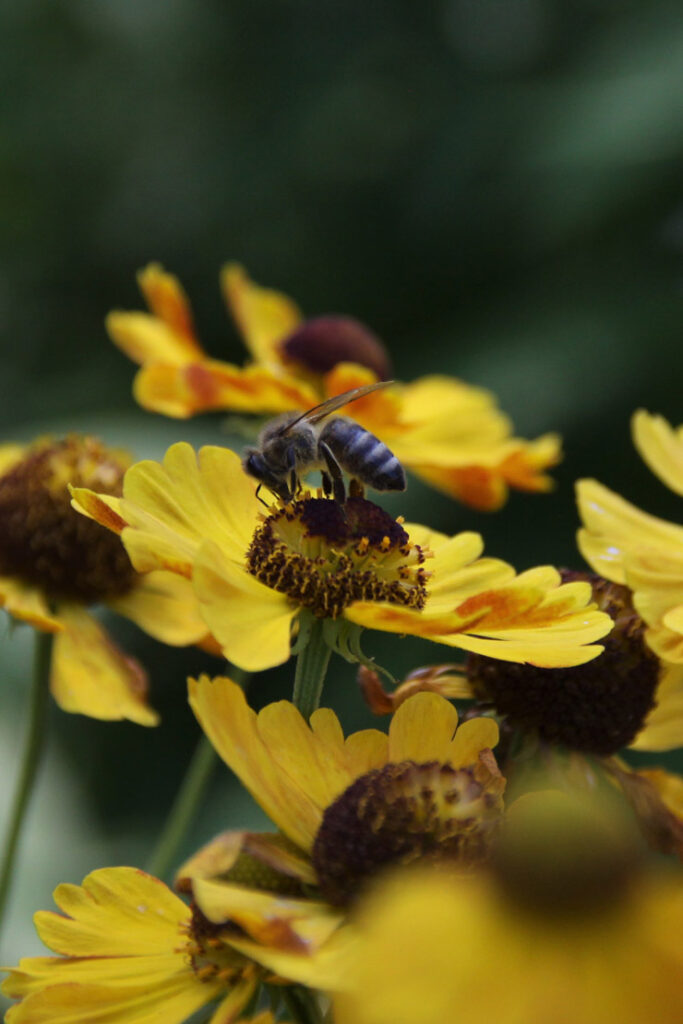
233, 729
252, 623
263, 316
167, 300
28, 604
165, 606
660, 446
91, 676
422, 729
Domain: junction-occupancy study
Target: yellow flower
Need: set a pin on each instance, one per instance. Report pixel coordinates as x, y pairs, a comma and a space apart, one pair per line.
129, 951
449, 433
54, 564
646, 554
253, 574
354, 806
571, 931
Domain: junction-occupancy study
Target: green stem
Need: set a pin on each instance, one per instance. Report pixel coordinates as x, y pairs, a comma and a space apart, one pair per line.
33, 748
311, 669
302, 1004
187, 799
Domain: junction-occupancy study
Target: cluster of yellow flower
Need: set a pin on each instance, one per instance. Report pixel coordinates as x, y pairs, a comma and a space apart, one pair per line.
494, 867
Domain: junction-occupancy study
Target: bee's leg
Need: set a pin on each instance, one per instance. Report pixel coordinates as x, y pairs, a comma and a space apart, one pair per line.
327, 483
258, 491
334, 469
356, 489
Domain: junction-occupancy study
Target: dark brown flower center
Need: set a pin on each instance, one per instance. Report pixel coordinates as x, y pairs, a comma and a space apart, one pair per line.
43, 540
598, 707
324, 555
321, 343
402, 812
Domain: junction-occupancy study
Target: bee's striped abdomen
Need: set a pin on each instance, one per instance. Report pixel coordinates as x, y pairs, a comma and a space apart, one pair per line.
363, 455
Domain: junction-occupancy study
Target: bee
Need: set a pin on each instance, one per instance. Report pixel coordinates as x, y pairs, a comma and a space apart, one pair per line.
292, 445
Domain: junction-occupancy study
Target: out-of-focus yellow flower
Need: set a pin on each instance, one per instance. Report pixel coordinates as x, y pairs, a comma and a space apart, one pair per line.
129, 950
447, 432
567, 929
429, 789
646, 554
253, 574
54, 564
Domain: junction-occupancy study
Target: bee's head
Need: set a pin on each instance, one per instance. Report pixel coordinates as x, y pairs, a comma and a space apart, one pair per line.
255, 465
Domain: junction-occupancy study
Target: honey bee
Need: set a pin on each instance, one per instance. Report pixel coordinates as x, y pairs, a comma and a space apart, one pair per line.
293, 445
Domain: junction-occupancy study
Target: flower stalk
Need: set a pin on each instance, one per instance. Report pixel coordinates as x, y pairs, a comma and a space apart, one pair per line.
311, 668
33, 748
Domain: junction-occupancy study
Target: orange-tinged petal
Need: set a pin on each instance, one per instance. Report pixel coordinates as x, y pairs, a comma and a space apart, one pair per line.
167, 300
115, 912
27, 603
422, 729
183, 391
378, 412
252, 623
476, 486
660, 446
165, 606
269, 918
263, 316
472, 737
91, 676
233, 729
103, 508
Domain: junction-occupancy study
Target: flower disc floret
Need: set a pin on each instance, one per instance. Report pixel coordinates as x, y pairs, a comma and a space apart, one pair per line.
324, 556
401, 813
43, 541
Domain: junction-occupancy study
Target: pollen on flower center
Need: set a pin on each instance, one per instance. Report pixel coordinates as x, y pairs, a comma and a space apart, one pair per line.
43, 540
325, 555
211, 958
402, 812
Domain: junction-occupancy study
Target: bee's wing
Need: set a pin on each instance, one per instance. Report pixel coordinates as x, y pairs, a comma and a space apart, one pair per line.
319, 412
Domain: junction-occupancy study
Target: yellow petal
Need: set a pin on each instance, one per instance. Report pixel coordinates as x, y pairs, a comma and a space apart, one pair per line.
27, 603
165, 606
167, 300
183, 391
663, 727
613, 526
233, 729
660, 446
115, 912
171, 507
103, 508
230, 1008
422, 729
263, 316
91, 676
251, 622
472, 737
146, 339
76, 1003
271, 919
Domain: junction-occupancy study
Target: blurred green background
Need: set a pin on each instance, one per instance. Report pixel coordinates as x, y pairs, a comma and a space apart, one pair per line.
493, 185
